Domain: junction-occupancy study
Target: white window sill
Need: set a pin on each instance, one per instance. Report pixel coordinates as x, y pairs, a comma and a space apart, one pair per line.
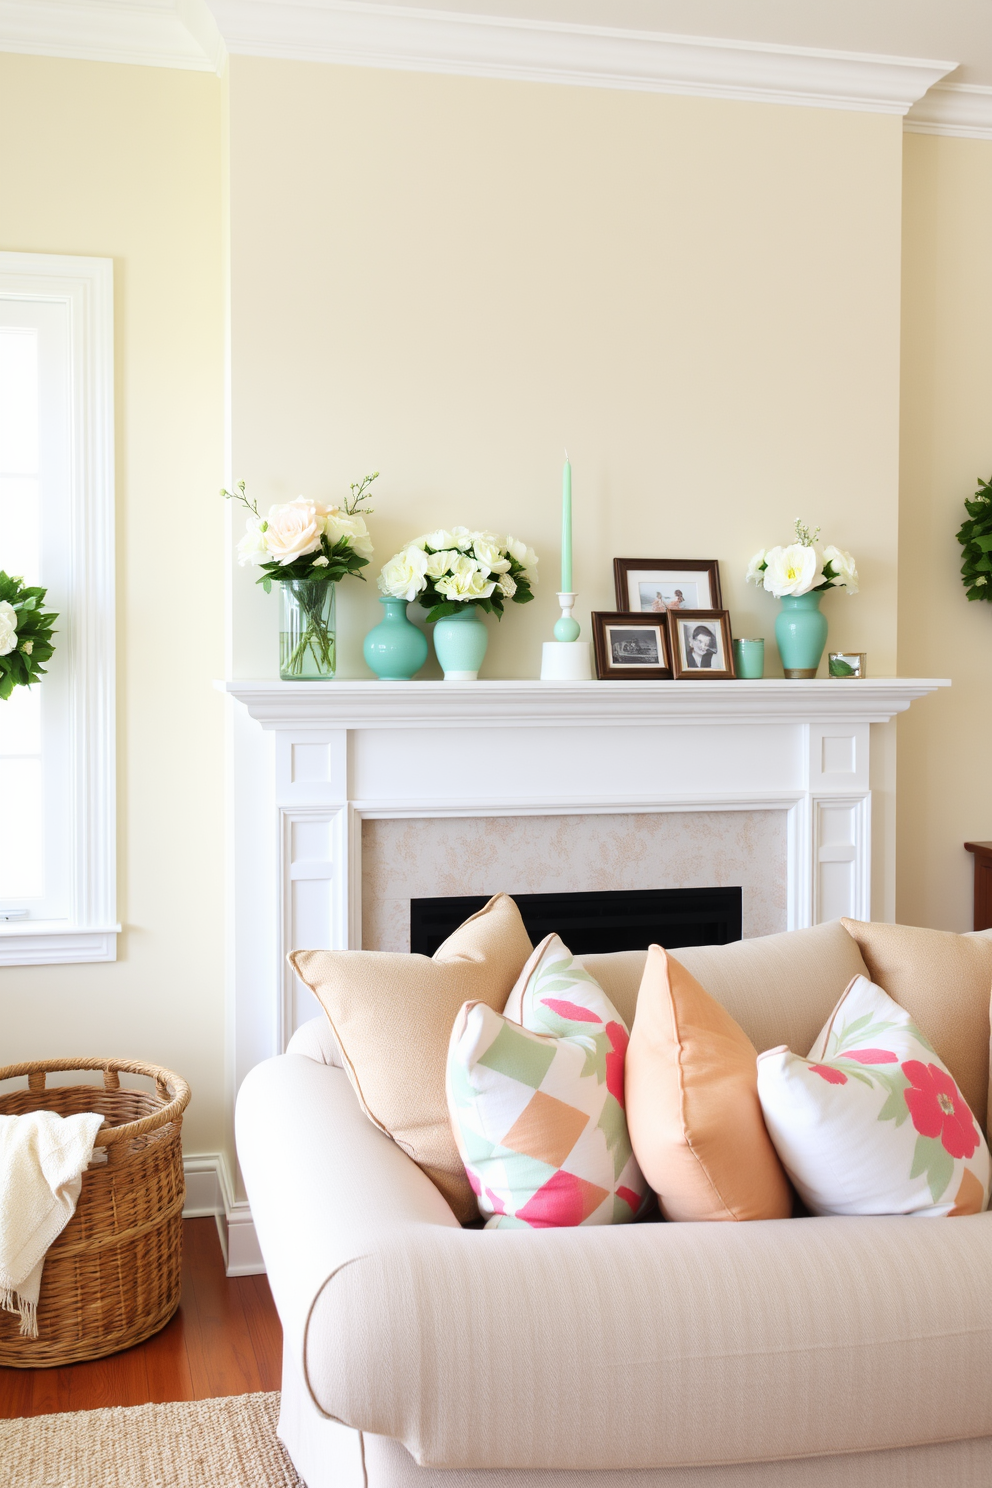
53, 942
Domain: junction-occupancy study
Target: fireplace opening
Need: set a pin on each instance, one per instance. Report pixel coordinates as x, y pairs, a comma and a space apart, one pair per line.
614, 920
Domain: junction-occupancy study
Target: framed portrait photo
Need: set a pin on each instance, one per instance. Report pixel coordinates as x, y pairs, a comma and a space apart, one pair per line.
700, 644
635, 646
655, 585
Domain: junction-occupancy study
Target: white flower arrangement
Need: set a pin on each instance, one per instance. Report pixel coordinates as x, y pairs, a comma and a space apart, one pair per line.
800, 568
445, 570
305, 539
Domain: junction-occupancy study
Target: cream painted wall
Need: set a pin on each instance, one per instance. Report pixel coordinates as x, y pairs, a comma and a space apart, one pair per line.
945, 780
448, 279
125, 162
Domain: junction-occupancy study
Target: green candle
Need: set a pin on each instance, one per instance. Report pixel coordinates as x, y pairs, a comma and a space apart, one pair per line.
566, 527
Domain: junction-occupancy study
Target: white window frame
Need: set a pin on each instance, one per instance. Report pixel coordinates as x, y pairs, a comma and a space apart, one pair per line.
86, 287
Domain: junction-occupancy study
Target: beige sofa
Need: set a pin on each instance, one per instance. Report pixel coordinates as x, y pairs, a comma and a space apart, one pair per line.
798, 1353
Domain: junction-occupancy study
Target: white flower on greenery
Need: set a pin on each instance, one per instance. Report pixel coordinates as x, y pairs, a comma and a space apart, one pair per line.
441, 563
755, 569
253, 548
320, 562
8, 628
460, 538
490, 555
340, 524
442, 538
466, 582
507, 586
404, 576
493, 538
293, 530
792, 570
843, 565
525, 556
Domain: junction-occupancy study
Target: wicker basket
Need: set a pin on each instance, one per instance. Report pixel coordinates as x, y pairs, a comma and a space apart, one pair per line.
112, 1277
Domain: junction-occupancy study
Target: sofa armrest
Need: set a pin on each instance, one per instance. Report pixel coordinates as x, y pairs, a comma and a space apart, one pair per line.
636, 1346
325, 1185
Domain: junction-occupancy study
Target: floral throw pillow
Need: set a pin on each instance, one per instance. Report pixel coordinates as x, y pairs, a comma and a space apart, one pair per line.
872, 1122
537, 1104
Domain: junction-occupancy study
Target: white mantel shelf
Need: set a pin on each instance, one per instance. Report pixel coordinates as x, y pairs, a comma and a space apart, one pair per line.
516, 704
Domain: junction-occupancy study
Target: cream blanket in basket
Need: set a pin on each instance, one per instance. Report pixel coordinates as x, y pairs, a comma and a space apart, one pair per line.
42, 1160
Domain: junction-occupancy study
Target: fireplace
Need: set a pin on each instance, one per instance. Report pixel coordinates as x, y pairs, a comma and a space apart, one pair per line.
350, 799
613, 920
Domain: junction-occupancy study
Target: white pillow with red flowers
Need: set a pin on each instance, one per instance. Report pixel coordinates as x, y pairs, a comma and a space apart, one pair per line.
872, 1122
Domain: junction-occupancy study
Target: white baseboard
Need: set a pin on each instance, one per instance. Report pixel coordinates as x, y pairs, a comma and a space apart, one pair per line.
209, 1191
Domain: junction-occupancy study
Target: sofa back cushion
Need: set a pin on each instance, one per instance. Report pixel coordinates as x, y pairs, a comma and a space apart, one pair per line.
392, 1016
944, 982
779, 988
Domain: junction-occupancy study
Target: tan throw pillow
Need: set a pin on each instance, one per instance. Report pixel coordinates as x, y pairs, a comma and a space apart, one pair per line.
392, 1016
944, 982
693, 1113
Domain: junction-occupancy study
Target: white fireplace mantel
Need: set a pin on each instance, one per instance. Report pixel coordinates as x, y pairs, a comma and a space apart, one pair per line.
523, 704
310, 761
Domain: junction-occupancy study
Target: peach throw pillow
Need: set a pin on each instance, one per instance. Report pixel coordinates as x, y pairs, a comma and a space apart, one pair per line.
693, 1113
392, 1015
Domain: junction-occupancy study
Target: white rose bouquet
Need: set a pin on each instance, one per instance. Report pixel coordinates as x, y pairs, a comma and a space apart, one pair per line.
25, 634
307, 546
304, 539
800, 568
444, 571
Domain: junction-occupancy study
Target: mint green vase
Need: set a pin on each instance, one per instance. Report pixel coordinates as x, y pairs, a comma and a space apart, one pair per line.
801, 633
395, 648
460, 643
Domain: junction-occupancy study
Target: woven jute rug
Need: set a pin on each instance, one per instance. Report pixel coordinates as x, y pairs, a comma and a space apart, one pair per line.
226, 1443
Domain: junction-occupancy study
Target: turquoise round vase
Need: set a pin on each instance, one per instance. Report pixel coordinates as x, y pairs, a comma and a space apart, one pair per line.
460, 643
395, 648
801, 633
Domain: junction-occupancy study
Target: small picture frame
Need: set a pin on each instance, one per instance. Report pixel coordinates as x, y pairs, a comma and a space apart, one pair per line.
629, 646
655, 585
699, 643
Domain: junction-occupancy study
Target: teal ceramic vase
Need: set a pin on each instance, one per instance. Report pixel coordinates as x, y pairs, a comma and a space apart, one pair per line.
395, 649
460, 643
801, 633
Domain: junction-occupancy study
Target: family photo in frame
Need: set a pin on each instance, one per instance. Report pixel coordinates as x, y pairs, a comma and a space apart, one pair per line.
657, 585
635, 646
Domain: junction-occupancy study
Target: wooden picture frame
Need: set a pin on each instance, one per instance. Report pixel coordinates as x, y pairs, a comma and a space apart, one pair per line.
632, 647
695, 580
695, 662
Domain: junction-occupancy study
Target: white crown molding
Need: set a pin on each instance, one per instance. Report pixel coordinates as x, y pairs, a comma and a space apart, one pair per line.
958, 109
195, 34
151, 33
390, 36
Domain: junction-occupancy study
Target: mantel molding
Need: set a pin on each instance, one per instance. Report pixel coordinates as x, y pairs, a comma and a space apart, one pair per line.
522, 704
199, 34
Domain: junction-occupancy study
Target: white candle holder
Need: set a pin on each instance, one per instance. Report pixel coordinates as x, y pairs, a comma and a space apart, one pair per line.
566, 658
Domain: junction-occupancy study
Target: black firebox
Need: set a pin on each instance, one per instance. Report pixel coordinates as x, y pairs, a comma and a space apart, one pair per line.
613, 920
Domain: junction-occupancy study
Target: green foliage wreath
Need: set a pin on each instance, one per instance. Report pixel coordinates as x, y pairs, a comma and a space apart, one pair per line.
975, 537
25, 634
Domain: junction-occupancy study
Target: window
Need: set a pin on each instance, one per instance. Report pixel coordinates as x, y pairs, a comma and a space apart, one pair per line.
57, 788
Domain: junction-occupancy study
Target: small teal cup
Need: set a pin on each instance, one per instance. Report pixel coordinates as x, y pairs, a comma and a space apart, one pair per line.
749, 658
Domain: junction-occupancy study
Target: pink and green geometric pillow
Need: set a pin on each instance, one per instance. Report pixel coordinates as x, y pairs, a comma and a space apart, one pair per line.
872, 1122
536, 1101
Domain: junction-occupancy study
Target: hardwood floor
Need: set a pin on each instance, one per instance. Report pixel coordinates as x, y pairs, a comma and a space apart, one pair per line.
224, 1340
